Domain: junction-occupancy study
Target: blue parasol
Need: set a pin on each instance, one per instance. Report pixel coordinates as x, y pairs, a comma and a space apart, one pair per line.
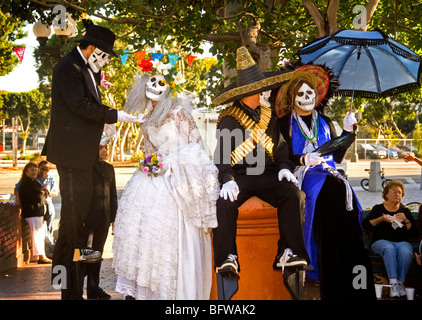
367, 63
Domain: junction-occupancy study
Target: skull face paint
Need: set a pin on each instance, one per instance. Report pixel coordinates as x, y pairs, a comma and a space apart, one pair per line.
264, 98
156, 88
305, 98
97, 60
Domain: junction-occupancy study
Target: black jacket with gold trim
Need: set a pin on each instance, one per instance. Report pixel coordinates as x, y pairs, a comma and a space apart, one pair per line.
228, 140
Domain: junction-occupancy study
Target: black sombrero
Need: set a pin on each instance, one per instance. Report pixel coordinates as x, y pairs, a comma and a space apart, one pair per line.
250, 80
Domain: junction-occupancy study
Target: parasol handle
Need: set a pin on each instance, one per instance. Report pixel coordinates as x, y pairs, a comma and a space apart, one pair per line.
354, 79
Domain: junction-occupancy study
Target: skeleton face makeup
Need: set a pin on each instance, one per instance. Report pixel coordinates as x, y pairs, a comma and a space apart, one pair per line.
305, 98
264, 98
97, 59
156, 88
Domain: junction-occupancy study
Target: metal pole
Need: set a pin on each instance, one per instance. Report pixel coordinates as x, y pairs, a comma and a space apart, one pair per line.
15, 141
4, 134
420, 184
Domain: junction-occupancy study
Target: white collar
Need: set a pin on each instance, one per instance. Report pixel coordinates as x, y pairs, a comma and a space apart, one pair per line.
80, 52
89, 70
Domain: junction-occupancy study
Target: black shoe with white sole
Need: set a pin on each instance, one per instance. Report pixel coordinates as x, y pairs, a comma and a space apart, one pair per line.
89, 255
230, 267
288, 259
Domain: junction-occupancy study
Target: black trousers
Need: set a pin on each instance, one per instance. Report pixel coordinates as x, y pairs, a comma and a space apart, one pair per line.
92, 271
283, 195
338, 236
76, 188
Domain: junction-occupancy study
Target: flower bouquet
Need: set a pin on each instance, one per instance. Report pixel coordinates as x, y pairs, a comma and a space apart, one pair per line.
152, 164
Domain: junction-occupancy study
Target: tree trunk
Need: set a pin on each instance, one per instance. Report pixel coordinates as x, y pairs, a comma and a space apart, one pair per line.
25, 132
317, 17
371, 6
331, 17
388, 103
328, 26
122, 143
114, 144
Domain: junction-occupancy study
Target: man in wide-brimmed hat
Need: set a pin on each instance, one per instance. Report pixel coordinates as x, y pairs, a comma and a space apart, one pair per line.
77, 121
253, 160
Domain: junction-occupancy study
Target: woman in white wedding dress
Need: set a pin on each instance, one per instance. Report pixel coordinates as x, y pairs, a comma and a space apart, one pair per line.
162, 246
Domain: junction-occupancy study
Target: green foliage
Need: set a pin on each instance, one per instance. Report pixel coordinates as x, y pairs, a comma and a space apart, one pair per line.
31, 157
417, 137
136, 156
182, 27
30, 106
10, 30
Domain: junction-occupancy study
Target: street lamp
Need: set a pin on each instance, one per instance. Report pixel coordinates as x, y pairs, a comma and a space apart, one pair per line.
42, 32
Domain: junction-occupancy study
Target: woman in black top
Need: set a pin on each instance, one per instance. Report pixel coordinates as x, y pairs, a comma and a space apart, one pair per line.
392, 227
32, 199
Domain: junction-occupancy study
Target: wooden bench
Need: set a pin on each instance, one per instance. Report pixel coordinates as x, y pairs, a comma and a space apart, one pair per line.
414, 276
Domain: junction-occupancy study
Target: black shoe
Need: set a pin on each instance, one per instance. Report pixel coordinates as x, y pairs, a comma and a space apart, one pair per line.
99, 295
89, 255
288, 259
44, 261
229, 268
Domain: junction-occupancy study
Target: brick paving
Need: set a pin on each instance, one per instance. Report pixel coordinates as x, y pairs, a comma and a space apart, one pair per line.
32, 281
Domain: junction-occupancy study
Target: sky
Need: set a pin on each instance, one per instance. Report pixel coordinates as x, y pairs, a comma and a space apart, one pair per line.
23, 77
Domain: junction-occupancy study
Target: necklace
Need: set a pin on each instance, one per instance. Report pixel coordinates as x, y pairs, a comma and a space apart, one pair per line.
315, 124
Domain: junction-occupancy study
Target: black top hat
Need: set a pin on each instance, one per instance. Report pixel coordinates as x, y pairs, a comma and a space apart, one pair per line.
250, 80
99, 37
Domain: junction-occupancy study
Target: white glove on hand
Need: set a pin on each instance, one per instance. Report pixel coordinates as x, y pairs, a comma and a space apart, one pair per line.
286, 174
141, 118
230, 189
124, 117
349, 121
312, 159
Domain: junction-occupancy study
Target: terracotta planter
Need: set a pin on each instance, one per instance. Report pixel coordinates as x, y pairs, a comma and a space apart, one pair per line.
257, 236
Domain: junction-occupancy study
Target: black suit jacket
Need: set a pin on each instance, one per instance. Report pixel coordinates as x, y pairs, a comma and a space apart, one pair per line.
77, 115
104, 202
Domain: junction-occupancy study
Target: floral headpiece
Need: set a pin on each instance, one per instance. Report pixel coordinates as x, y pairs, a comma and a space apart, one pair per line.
173, 77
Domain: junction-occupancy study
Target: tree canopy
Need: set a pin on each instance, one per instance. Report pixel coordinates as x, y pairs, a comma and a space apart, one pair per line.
272, 30
10, 30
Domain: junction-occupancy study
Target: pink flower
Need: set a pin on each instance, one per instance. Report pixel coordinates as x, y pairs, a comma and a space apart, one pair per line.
144, 169
160, 164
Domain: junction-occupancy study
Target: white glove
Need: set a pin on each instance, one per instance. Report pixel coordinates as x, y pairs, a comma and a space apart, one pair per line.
230, 189
124, 117
349, 121
141, 118
312, 159
286, 174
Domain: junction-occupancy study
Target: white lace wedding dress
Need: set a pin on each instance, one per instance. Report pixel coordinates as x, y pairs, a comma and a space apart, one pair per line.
162, 245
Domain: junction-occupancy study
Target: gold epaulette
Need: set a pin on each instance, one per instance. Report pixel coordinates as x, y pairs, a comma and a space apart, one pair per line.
257, 132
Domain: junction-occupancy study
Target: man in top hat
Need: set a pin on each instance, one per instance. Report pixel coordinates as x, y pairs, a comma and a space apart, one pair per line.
253, 160
77, 121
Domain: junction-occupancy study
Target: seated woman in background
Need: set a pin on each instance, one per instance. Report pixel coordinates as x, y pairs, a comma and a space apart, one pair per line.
32, 199
392, 227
